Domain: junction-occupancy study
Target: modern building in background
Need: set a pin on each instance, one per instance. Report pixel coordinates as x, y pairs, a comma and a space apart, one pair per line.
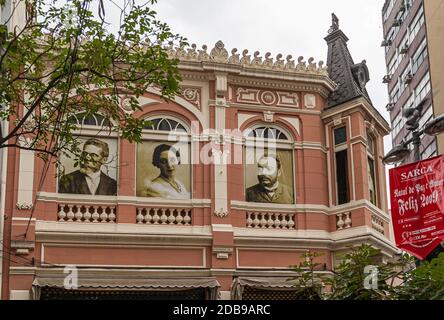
414, 44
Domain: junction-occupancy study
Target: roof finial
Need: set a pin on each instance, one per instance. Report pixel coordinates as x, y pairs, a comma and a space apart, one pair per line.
334, 23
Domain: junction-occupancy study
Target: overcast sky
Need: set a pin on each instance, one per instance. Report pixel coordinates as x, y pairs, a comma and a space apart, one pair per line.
288, 27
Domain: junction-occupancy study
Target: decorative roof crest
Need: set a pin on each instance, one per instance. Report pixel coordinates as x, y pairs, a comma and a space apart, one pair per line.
219, 54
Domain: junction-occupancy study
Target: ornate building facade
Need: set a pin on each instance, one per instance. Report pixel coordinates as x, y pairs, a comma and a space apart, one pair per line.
257, 161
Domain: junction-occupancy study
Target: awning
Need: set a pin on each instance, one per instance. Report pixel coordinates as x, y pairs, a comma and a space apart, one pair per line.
276, 284
147, 284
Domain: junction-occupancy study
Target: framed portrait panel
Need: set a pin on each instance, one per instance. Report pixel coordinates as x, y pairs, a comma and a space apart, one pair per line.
163, 170
97, 175
269, 176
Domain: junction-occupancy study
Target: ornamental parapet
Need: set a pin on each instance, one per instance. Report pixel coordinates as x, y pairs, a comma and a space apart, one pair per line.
220, 55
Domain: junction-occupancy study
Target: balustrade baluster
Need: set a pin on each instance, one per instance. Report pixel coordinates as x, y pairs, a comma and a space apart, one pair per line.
179, 218
171, 217
70, 214
187, 218
61, 214
95, 216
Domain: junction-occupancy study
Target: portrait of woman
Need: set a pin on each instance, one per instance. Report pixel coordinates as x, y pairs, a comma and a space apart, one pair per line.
166, 184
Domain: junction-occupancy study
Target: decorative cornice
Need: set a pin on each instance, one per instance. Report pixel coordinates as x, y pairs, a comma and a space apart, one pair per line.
322, 86
221, 56
358, 103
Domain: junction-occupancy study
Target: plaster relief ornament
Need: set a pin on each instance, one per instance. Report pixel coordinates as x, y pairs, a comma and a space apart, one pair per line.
301, 64
221, 213
245, 58
279, 64
181, 53
257, 61
268, 62
203, 55
290, 63
192, 53
268, 98
219, 53
234, 59
192, 95
311, 65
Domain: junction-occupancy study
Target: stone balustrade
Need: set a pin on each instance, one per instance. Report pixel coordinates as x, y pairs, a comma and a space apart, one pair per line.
164, 216
266, 220
343, 220
86, 213
377, 224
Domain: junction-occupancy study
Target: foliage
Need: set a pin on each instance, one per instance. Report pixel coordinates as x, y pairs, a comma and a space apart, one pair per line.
309, 286
352, 279
426, 282
354, 271
65, 60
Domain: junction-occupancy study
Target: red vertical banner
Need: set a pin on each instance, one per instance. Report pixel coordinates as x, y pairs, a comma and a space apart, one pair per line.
416, 194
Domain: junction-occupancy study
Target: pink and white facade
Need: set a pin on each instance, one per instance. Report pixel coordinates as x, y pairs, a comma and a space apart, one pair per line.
216, 241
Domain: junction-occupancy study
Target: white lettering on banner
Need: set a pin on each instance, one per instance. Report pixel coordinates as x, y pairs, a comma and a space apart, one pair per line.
405, 206
416, 173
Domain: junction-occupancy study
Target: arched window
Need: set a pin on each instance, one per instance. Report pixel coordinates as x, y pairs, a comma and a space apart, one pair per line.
89, 119
165, 124
164, 159
269, 165
268, 133
92, 169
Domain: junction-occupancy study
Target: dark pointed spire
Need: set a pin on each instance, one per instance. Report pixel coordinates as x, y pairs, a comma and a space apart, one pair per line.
351, 78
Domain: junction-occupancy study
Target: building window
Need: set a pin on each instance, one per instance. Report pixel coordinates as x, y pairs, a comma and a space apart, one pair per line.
372, 193
341, 163
426, 116
388, 10
340, 135
430, 151
268, 166
163, 160
165, 124
416, 24
268, 133
92, 168
419, 56
394, 95
422, 89
398, 124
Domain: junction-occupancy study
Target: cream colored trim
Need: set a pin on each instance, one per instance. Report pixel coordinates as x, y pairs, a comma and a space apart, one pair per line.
25, 179
262, 108
23, 219
128, 200
303, 239
187, 105
277, 80
222, 227
330, 112
329, 174
310, 145
120, 228
67, 232
20, 271
122, 273
295, 122
314, 208
242, 118
225, 295
20, 295
126, 247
